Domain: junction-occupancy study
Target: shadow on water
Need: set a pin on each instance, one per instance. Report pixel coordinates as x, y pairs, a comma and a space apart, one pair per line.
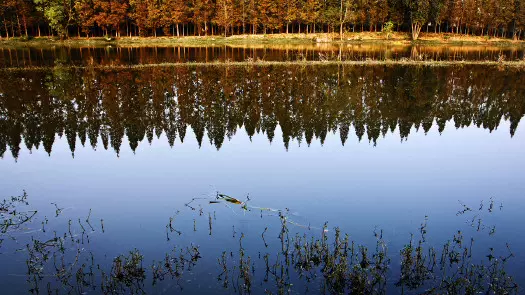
311, 260
306, 102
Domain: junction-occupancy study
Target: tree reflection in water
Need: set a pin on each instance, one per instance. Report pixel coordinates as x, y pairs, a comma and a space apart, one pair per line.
306, 102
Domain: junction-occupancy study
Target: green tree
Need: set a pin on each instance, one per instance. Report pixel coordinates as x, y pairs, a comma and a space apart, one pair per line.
418, 11
58, 13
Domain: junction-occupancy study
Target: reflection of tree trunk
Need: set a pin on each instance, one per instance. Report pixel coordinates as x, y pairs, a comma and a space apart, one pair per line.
414, 53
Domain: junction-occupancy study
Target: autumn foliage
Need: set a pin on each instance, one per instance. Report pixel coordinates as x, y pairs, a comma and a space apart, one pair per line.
87, 18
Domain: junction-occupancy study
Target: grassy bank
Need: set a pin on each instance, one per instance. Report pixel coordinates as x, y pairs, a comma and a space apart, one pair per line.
271, 39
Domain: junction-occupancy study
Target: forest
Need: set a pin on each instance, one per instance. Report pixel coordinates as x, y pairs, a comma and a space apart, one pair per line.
117, 18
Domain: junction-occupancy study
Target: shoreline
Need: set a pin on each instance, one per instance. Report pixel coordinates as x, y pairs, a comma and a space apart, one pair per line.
428, 63
426, 39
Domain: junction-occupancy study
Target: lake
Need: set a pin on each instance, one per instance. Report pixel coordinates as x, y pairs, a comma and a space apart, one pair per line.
131, 177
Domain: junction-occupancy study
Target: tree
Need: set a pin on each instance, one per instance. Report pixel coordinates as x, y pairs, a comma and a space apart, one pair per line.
20, 13
519, 16
270, 14
202, 14
310, 13
396, 11
224, 14
418, 11
346, 6
58, 13
253, 15
173, 12
154, 16
110, 14
331, 15
503, 15
139, 13
378, 12
291, 12
85, 15
439, 12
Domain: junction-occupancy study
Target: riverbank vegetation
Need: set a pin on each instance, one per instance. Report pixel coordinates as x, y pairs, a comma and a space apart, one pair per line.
118, 18
277, 39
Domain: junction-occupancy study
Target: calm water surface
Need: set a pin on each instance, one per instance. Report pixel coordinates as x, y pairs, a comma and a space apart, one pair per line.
116, 55
112, 159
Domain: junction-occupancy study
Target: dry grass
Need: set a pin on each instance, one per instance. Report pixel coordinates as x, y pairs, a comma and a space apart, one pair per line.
278, 39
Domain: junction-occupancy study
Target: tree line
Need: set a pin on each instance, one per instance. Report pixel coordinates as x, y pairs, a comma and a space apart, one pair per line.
94, 106
87, 18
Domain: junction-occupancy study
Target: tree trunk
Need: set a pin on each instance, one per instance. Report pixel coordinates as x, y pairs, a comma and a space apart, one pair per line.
6, 30
416, 29
19, 26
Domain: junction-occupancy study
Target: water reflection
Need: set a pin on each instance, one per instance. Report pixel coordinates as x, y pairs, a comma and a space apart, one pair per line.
306, 102
69, 258
111, 55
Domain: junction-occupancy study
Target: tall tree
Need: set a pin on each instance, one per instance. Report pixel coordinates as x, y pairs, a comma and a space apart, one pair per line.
270, 14
519, 18
139, 13
59, 14
224, 14
174, 12
253, 15
85, 12
291, 12
202, 14
378, 12
418, 11
438, 13
109, 14
309, 14
154, 16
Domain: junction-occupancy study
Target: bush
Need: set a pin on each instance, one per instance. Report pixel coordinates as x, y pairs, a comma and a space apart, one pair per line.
388, 28
26, 38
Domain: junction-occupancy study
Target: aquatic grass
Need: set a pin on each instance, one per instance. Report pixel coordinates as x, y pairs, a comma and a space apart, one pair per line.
261, 63
316, 260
